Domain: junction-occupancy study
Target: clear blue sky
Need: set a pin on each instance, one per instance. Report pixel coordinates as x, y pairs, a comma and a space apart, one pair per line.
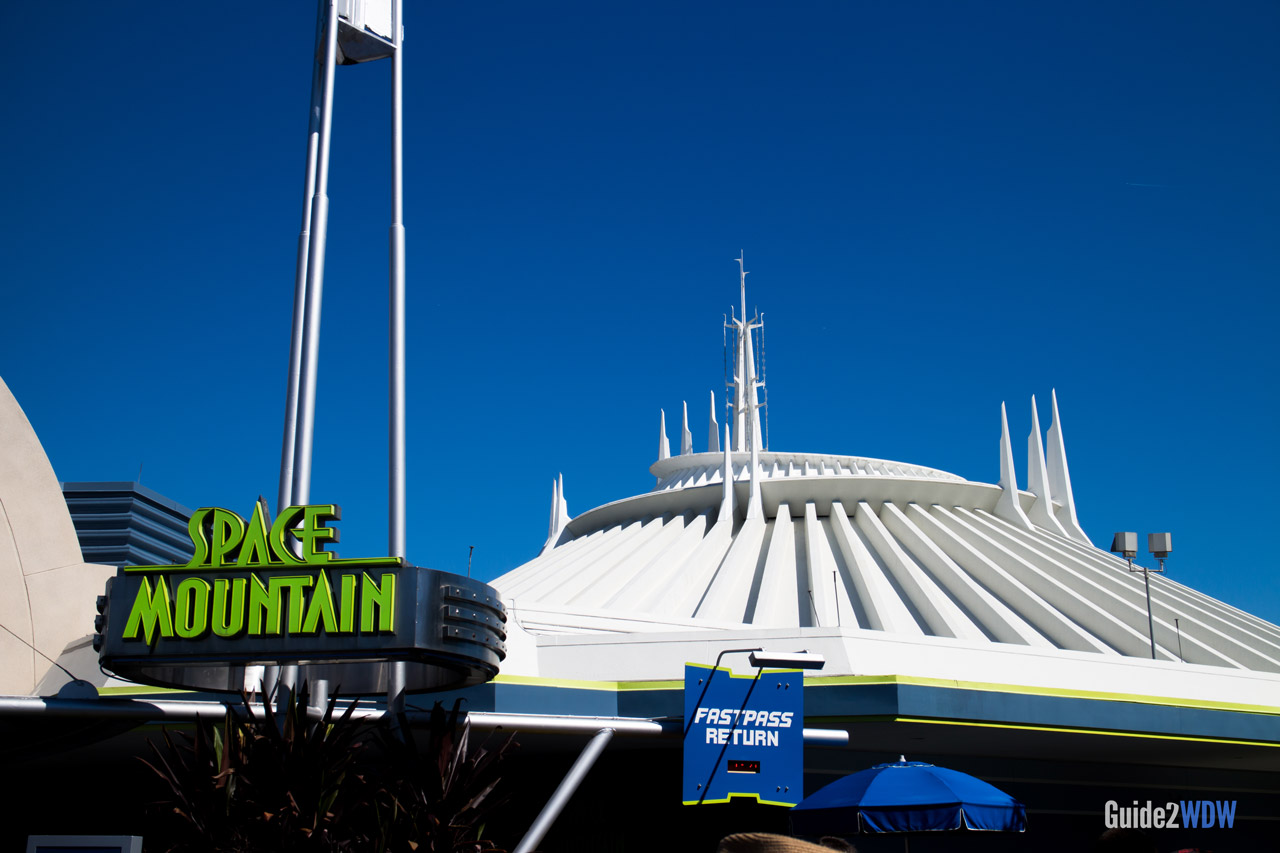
943, 206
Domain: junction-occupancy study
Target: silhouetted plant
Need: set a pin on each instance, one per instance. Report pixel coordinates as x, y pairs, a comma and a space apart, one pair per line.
442, 801
288, 782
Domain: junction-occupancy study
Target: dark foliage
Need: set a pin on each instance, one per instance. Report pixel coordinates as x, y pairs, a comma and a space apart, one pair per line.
443, 800
290, 782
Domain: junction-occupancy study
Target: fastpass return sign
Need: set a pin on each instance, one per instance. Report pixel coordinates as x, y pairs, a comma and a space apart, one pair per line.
744, 735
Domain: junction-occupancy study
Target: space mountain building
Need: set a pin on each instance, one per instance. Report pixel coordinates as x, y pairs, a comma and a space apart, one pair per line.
886, 568
965, 623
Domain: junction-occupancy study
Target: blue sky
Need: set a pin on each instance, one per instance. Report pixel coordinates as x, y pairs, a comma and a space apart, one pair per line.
943, 207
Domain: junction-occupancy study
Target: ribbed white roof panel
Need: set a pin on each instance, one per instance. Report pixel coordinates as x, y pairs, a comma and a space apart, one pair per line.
915, 556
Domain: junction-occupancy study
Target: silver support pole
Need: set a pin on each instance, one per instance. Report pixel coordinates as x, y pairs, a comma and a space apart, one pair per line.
289, 445
395, 336
162, 710
319, 696
314, 287
396, 332
565, 791
1151, 631
288, 448
315, 266
1146, 581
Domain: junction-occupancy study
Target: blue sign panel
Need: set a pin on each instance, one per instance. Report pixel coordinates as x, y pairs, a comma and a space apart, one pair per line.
743, 735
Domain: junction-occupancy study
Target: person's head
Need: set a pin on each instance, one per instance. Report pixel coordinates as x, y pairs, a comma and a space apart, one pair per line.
765, 842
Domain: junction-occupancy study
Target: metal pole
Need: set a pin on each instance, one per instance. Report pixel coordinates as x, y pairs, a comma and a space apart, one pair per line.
396, 439
835, 583
289, 445
565, 791
396, 463
1151, 631
315, 266
288, 448
1146, 580
319, 696
169, 710
314, 288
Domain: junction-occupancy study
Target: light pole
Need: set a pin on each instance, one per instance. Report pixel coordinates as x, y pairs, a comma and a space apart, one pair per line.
1159, 544
347, 32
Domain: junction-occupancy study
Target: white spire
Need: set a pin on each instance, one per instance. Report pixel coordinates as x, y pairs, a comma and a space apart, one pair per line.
1007, 507
1060, 479
563, 518
555, 498
686, 437
713, 430
1041, 513
664, 447
559, 514
726, 502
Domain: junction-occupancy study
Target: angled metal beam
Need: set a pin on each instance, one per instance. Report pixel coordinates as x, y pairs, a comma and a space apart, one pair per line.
564, 792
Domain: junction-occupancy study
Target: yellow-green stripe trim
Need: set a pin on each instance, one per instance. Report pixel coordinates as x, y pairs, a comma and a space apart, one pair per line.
1081, 731
650, 685
733, 674
582, 684
1204, 704
142, 690
732, 796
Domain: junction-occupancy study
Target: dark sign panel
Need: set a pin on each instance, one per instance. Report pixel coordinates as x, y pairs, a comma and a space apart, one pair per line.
744, 735
258, 593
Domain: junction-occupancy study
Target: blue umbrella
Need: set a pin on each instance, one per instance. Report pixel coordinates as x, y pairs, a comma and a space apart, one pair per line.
907, 796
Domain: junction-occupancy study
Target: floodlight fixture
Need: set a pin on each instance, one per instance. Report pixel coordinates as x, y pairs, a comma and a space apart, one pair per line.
1125, 544
366, 30
787, 660
1159, 544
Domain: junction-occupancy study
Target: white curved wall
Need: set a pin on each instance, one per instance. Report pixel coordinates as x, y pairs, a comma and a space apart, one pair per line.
47, 591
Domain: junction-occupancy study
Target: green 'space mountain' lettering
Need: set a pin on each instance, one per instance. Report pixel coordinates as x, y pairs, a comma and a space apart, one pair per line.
259, 578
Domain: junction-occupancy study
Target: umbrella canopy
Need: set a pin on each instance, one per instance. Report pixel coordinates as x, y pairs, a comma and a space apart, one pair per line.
907, 796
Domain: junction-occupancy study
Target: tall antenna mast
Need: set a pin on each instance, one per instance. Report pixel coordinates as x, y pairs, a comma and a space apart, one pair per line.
764, 383
746, 408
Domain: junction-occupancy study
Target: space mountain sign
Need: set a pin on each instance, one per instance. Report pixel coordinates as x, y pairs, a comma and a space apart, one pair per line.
262, 592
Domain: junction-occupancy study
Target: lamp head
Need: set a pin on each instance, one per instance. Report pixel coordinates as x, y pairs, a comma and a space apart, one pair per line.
1160, 544
788, 660
1125, 544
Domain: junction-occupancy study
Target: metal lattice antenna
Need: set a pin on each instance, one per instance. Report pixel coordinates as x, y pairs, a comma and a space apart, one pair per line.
757, 346
724, 336
731, 406
746, 381
764, 382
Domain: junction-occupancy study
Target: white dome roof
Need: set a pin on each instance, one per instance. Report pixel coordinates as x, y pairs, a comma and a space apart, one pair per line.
806, 541
840, 545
